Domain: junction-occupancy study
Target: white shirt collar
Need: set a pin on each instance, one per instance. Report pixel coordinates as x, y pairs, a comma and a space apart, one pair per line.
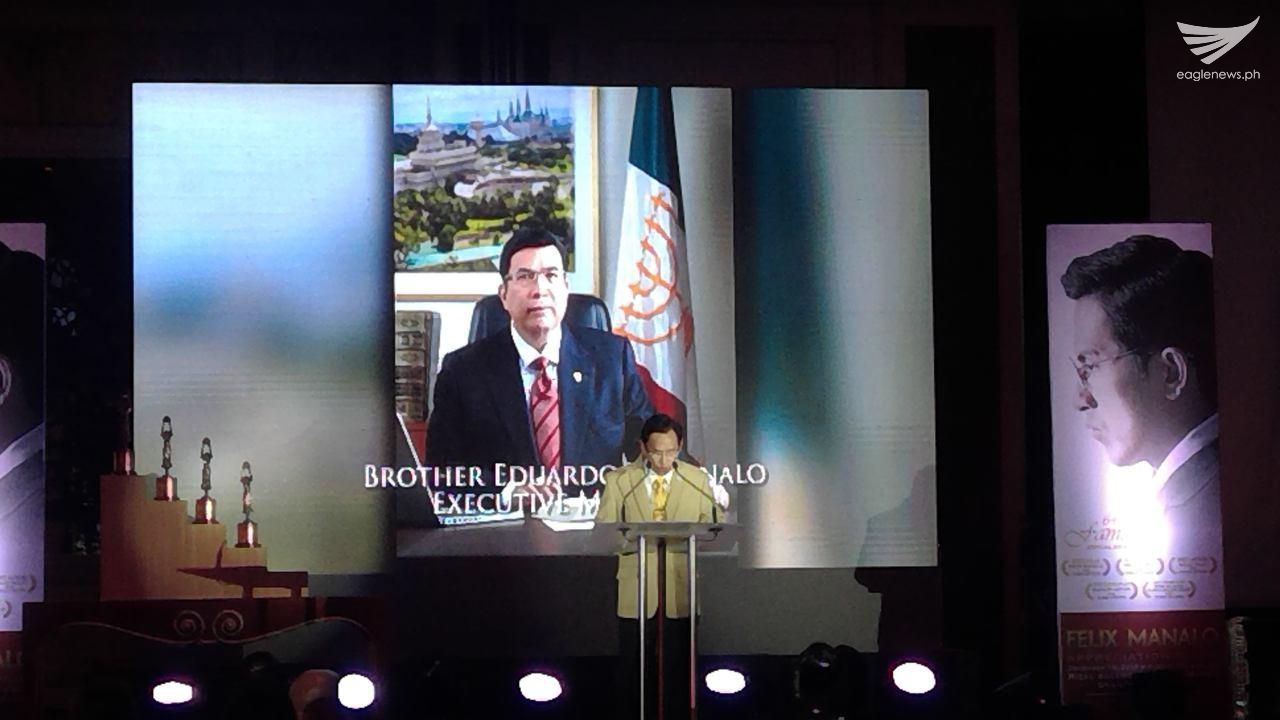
1200, 437
649, 475
527, 352
22, 449
666, 476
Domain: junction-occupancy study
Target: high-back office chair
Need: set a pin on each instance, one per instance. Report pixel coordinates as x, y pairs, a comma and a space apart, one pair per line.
586, 311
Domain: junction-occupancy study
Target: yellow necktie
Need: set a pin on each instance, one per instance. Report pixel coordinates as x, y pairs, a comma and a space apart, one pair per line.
659, 499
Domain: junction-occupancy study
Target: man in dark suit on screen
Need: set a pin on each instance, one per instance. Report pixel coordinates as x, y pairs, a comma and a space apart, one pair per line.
541, 394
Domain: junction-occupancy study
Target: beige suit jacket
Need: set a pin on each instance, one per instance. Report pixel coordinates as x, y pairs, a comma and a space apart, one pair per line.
626, 500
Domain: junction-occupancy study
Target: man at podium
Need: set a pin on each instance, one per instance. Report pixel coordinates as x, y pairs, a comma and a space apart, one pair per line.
657, 487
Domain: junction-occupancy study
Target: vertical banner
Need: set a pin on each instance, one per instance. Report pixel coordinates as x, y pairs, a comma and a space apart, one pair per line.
22, 322
1135, 464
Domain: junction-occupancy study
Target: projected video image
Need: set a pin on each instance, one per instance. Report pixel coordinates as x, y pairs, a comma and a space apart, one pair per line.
540, 388
753, 264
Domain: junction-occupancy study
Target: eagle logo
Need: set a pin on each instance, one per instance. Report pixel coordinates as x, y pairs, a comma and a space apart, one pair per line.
1209, 39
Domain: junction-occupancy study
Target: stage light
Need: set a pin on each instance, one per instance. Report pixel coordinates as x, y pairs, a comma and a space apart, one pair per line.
725, 681
540, 687
914, 678
173, 692
356, 692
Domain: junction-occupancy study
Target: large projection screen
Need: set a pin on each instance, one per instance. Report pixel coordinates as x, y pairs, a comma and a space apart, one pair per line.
265, 281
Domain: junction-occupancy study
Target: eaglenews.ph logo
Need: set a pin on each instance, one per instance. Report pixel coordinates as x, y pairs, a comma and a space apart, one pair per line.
1208, 39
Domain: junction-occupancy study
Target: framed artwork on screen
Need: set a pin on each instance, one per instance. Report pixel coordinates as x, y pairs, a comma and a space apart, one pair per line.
471, 164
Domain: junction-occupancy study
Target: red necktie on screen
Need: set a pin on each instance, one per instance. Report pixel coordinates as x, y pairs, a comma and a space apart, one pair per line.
544, 409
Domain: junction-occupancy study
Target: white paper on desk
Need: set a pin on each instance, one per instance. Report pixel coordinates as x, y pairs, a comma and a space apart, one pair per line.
564, 525
576, 513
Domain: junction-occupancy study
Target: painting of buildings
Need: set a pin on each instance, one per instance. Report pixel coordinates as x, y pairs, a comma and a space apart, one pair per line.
472, 164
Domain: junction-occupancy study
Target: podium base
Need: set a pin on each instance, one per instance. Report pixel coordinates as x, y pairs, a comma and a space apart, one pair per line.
674, 682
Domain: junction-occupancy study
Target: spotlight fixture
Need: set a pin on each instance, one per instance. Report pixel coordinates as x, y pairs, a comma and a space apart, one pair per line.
540, 687
829, 682
173, 692
914, 678
315, 691
725, 681
356, 692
